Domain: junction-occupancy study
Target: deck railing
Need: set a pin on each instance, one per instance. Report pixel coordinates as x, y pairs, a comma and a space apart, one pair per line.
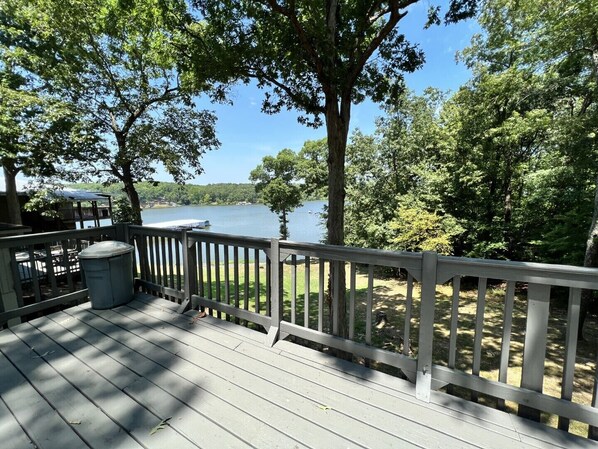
41, 271
501, 333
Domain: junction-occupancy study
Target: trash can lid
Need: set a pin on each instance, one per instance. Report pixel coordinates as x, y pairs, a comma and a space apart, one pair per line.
106, 249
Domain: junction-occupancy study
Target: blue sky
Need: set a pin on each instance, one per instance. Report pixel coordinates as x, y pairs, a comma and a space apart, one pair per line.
247, 135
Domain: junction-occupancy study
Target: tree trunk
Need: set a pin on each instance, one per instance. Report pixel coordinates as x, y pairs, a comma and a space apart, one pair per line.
129, 188
284, 229
12, 198
337, 127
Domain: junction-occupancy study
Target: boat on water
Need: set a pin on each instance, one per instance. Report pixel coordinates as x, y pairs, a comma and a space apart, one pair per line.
181, 225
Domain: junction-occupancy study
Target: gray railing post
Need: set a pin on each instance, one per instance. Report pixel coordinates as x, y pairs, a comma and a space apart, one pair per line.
423, 385
275, 296
534, 348
189, 271
8, 295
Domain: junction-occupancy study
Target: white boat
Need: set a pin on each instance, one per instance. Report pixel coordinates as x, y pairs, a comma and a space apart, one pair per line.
180, 225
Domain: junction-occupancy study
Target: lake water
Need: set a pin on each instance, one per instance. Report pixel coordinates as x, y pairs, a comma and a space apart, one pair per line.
254, 220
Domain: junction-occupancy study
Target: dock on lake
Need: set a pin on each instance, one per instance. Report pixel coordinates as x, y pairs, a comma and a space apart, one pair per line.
181, 225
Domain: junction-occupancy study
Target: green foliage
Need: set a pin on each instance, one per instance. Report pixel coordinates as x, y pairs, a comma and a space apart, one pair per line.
312, 168
318, 58
416, 229
274, 179
122, 212
117, 63
168, 192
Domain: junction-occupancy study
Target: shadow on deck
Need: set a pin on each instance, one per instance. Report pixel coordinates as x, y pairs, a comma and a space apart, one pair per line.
143, 376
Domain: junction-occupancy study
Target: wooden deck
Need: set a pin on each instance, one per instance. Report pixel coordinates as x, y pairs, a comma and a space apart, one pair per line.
107, 379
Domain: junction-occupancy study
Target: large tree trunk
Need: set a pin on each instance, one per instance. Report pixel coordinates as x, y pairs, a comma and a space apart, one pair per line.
12, 198
337, 127
131, 191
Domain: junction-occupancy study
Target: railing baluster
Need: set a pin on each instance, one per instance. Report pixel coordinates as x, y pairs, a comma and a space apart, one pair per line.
369, 306
217, 276
158, 262
164, 262
506, 337
268, 286
573, 311
256, 281
200, 265
306, 292
34, 274
454, 322
321, 297
352, 282
534, 349
593, 430
293, 288
246, 279
177, 257
152, 266
171, 245
236, 278
479, 332
226, 277
209, 273
50, 269
67, 265
408, 313
336, 313
146, 243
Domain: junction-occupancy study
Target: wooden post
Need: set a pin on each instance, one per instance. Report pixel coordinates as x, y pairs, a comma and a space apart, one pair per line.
8, 295
534, 349
189, 271
423, 384
274, 293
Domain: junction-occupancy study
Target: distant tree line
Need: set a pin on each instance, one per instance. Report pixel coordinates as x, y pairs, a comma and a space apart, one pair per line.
170, 192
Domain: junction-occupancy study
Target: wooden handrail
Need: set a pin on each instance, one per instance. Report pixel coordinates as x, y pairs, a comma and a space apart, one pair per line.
191, 267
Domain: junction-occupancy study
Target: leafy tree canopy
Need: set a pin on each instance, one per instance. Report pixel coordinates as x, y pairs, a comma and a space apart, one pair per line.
116, 61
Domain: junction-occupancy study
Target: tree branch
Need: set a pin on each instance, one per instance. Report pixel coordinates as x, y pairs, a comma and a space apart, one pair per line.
395, 16
290, 14
309, 106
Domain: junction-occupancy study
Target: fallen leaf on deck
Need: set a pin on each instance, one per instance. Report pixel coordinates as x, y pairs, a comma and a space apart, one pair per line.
197, 317
325, 407
161, 426
42, 355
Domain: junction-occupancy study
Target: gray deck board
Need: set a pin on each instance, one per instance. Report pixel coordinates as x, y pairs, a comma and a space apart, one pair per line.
365, 430
27, 406
104, 378
13, 435
93, 426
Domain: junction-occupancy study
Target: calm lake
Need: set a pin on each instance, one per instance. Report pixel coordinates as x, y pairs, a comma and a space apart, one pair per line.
253, 220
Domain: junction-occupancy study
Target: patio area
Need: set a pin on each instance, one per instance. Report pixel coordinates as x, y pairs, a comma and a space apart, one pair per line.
145, 376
